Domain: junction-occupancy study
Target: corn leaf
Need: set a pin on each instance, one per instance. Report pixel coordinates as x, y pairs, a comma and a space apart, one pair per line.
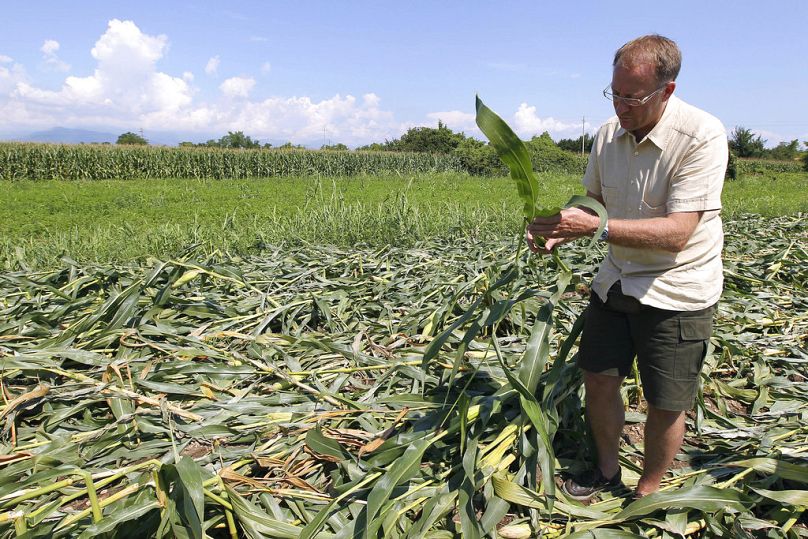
400, 471
513, 153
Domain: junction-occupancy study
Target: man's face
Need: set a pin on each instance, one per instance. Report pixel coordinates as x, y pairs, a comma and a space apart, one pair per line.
639, 82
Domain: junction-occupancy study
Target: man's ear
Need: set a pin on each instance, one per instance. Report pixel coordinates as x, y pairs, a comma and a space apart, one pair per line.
669, 88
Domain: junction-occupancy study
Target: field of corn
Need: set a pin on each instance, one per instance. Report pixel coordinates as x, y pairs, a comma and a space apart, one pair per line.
422, 391
29, 161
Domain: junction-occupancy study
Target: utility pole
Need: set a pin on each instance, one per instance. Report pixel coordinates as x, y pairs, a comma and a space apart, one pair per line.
583, 134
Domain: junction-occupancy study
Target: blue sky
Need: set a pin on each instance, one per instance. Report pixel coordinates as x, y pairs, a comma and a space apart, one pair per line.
356, 72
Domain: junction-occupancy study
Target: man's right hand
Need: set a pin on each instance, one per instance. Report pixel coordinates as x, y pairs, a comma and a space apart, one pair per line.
536, 245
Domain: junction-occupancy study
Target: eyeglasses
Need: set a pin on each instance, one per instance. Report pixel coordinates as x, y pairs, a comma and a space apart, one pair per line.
630, 101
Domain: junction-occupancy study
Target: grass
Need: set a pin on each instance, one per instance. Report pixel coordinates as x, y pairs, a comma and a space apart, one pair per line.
767, 194
98, 221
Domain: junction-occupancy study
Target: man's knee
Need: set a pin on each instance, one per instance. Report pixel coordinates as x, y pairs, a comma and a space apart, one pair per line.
601, 385
663, 417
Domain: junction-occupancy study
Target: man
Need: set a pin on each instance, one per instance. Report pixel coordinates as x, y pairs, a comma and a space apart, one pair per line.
658, 167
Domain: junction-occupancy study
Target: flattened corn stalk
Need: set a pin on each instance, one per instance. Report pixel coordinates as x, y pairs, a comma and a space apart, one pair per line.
258, 428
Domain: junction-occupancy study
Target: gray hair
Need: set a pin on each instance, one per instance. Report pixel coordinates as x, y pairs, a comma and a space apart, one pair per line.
653, 49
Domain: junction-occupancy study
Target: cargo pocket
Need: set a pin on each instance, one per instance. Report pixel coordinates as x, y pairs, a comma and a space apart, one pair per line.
694, 334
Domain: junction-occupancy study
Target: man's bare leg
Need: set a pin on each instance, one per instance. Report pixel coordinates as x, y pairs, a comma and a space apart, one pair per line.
606, 416
664, 432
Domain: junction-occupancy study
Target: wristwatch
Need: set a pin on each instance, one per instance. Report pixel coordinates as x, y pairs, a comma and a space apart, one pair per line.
604, 236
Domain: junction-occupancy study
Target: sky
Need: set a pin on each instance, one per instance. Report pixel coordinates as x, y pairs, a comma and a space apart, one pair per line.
324, 72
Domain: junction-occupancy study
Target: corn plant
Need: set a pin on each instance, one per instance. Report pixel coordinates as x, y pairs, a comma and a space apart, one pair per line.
28, 161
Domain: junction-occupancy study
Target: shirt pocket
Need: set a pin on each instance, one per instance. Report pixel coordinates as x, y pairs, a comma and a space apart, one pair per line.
647, 210
611, 199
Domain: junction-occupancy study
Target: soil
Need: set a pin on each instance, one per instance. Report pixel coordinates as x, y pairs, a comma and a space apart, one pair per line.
633, 433
196, 449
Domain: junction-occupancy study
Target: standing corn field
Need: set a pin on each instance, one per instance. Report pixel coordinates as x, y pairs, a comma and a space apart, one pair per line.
94, 162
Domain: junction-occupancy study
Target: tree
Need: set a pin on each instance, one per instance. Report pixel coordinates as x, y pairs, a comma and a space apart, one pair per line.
744, 143
235, 140
427, 140
574, 145
290, 146
784, 151
131, 138
339, 147
805, 155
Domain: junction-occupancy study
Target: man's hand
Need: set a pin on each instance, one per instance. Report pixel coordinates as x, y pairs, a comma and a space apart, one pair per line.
567, 225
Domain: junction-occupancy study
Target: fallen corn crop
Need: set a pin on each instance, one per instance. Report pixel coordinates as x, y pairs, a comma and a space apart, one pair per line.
284, 396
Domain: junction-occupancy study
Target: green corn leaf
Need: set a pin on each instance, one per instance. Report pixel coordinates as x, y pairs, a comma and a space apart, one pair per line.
183, 481
323, 445
517, 494
468, 518
537, 417
116, 518
581, 201
537, 351
604, 534
193, 502
786, 470
514, 154
701, 497
792, 497
400, 471
258, 525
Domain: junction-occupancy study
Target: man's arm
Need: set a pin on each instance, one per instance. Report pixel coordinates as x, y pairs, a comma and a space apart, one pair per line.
669, 233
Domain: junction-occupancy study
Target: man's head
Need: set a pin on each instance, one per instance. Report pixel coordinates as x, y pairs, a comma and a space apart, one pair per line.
645, 71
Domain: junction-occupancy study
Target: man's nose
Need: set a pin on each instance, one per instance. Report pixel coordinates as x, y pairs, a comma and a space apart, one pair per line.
620, 107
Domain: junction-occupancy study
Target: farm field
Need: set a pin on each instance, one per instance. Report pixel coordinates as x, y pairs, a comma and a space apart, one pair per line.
338, 356
104, 220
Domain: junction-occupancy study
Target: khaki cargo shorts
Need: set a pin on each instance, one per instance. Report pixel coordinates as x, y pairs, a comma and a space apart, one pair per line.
670, 346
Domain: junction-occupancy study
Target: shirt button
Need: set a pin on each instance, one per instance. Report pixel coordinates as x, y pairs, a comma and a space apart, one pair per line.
636, 153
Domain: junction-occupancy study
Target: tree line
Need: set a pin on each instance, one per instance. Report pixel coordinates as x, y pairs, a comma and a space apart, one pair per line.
476, 154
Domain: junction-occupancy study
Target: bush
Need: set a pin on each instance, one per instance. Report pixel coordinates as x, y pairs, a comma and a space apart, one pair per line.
763, 166
732, 166
546, 156
479, 158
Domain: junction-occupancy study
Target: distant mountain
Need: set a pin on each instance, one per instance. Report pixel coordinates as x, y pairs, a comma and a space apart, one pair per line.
66, 135
69, 136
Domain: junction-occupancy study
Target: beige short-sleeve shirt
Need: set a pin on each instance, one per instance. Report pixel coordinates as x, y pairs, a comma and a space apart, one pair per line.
678, 167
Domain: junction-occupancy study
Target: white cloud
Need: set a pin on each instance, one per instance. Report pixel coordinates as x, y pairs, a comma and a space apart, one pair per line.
527, 123
266, 67
237, 86
212, 67
126, 89
49, 49
124, 85
10, 77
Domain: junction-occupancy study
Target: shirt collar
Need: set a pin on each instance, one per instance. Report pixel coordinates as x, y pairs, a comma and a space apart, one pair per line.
659, 134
